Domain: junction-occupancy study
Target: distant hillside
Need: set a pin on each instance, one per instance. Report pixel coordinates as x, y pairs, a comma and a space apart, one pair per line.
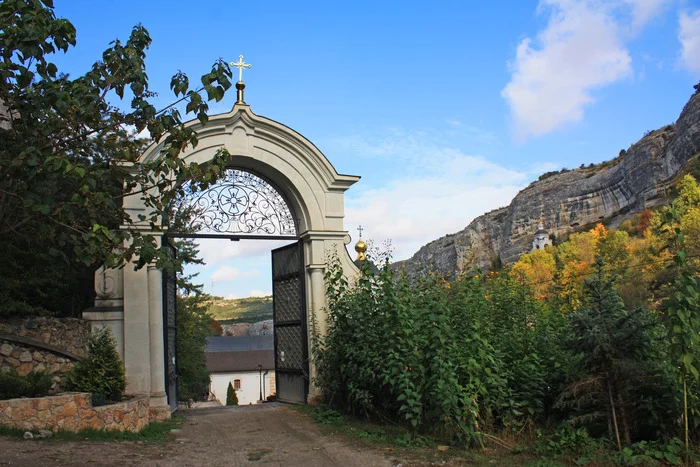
241, 310
571, 200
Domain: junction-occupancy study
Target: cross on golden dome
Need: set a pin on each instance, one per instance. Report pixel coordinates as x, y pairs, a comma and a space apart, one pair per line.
360, 247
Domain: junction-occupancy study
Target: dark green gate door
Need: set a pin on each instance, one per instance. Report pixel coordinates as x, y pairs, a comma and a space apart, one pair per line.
170, 333
289, 318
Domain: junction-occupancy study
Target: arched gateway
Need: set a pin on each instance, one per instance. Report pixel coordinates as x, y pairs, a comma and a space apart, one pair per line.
135, 304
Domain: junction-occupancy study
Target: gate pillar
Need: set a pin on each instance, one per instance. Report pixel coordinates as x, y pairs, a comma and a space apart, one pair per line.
137, 333
155, 310
317, 246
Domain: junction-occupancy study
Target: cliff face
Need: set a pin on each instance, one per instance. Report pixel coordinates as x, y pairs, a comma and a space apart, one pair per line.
566, 201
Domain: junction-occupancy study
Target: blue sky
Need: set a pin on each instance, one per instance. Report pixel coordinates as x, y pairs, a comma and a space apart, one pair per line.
445, 108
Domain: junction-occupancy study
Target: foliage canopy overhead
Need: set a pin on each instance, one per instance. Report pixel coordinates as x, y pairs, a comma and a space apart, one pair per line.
69, 144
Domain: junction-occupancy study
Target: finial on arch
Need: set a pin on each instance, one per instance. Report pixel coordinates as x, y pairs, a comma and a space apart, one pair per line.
240, 85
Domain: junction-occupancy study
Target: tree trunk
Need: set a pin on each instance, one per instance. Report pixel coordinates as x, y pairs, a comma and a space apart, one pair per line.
623, 419
614, 417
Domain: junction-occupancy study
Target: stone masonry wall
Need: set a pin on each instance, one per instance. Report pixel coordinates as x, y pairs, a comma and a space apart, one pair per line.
26, 359
69, 334
73, 412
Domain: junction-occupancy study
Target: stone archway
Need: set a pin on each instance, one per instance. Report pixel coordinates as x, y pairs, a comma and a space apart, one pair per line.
130, 302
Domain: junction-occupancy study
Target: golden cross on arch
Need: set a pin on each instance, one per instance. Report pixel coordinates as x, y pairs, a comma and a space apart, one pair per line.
240, 64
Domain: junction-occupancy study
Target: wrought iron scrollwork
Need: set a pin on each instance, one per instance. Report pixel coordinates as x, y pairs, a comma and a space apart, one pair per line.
238, 203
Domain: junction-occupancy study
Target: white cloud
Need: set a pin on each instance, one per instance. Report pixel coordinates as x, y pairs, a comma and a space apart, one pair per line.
448, 189
643, 11
582, 48
214, 251
689, 37
412, 212
228, 273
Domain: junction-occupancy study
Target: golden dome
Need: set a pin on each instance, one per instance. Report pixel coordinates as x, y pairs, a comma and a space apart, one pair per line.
360, 248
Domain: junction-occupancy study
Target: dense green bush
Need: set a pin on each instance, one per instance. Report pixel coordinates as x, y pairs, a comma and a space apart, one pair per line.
101, 371
475, 354
450, 358
12, 385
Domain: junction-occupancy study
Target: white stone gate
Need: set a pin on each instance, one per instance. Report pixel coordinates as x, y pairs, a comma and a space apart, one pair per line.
130, 302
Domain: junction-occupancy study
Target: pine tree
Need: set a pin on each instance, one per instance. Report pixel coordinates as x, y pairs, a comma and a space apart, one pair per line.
615, 349
101, 371
231, 396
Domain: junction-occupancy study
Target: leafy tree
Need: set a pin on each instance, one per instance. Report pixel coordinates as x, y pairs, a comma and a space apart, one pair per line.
231, 396
537, 269
194, 325
574, 260
69, 150
101, 371
682, 317
411, 354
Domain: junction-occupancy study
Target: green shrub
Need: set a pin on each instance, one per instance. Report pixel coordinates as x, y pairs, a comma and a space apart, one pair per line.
33, 385
101, 370
231, 396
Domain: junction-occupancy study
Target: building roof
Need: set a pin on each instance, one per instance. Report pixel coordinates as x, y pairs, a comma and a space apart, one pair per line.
237, 343
226, 354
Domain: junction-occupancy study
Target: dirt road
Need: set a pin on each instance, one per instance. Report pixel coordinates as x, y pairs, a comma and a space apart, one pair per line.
271, 434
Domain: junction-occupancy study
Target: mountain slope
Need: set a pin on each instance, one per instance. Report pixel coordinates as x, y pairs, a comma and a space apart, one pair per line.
568, 200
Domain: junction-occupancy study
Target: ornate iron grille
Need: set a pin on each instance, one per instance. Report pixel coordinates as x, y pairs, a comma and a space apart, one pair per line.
286, 293
286, 263
238, 203
289, 348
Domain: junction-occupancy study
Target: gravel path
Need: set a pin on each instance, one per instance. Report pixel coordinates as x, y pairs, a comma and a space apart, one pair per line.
271, 434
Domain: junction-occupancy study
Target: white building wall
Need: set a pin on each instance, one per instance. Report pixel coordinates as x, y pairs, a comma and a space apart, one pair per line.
249, 393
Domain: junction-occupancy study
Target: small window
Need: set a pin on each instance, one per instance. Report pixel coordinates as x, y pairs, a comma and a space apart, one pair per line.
236, 384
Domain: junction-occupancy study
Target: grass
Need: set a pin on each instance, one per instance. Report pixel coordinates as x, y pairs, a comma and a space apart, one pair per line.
399, 442
11, 432
241, 310
506, 448
154, 432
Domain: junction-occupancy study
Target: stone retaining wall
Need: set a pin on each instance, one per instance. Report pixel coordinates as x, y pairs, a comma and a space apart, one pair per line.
65, 338
73, 412
69, 334
26, 359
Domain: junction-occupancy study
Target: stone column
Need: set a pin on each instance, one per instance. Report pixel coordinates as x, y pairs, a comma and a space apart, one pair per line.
155, 310
318, 298
316, 317
137, 338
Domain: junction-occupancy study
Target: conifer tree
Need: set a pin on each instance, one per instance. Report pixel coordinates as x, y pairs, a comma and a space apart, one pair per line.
614, 345
231, 396
101, 371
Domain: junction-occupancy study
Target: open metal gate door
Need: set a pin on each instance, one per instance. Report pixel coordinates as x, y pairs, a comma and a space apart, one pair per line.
289, 318
170, 333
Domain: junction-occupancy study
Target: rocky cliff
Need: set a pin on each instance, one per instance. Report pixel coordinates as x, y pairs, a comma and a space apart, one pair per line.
569, 200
